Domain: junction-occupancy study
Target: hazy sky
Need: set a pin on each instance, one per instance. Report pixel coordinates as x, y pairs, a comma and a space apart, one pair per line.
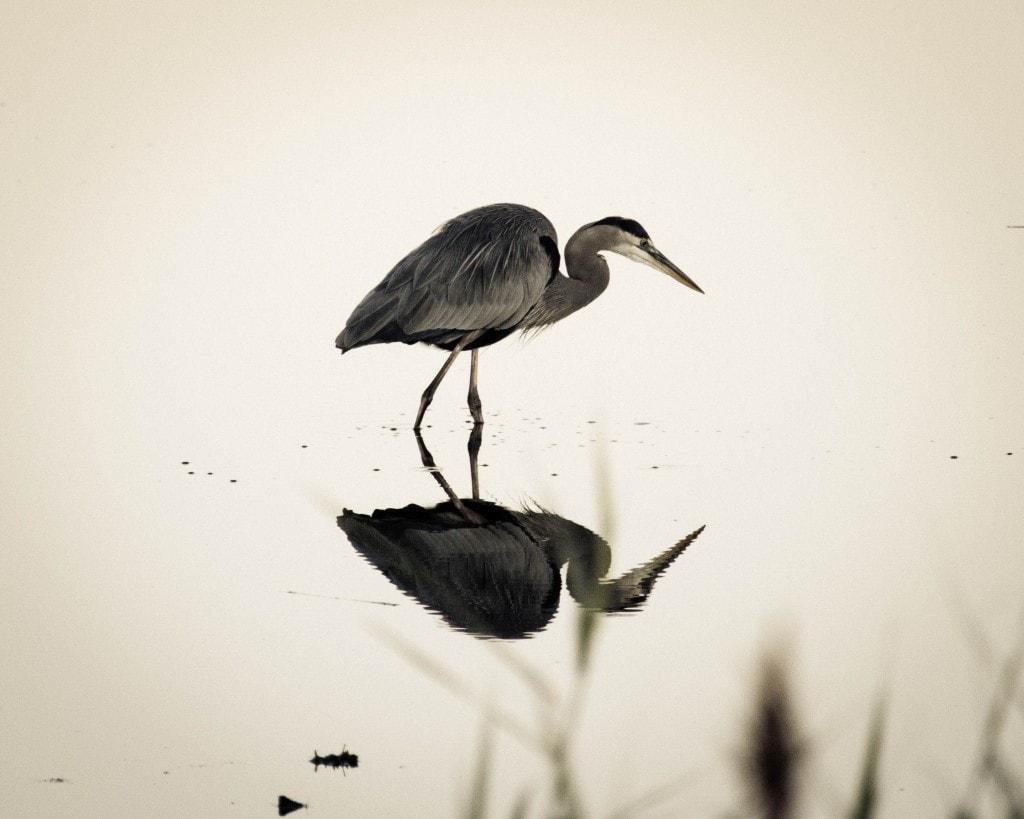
185, 178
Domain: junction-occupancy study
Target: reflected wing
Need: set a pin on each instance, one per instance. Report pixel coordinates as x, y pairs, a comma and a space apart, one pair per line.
483, 270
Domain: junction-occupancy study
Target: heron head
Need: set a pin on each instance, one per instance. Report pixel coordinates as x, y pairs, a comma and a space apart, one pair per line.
628, 238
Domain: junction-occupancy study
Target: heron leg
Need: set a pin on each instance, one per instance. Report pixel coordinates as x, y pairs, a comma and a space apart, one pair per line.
475, 437
428, 393
476, 407
428, 463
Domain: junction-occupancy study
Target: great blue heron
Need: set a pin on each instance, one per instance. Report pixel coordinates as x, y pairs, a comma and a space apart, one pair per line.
487, 273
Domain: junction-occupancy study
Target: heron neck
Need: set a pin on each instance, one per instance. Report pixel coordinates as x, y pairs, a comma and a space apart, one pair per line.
587, 279
586, 269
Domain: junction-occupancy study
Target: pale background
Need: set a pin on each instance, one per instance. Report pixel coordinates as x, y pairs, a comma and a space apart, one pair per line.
195, 195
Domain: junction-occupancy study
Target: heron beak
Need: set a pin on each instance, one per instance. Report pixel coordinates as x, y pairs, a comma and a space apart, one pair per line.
652, 257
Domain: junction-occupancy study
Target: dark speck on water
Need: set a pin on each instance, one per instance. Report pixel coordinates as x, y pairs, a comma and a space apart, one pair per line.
184, 463
286, 805
953, 457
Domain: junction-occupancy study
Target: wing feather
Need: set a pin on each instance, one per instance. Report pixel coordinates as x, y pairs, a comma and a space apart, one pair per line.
482, 270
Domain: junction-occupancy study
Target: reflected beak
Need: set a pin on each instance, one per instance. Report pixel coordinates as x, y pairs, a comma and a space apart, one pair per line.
652, 257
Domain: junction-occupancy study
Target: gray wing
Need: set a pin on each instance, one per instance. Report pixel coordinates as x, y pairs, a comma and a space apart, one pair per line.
482, 270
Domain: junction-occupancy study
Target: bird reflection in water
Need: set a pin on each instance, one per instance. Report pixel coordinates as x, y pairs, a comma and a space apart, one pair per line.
493, 571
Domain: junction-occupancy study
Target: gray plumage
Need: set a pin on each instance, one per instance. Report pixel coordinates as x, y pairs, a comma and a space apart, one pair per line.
487, 273
484, 270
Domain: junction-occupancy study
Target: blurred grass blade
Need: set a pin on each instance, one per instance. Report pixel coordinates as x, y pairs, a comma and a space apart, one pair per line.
530, 676
586, 625
446, 678
477, 806
645, 803
587, 617
603, 489
772, 758
1003, 697
867, 792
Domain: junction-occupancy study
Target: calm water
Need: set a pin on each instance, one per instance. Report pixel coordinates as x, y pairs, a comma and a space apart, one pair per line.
211, 626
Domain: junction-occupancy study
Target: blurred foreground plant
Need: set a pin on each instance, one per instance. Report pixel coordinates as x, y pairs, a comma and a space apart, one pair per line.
772, 756
994, 775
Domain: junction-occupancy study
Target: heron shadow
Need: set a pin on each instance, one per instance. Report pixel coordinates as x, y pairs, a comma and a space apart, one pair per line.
492, 571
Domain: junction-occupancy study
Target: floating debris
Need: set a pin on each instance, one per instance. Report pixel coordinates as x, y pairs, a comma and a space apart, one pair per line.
342, 760
286, 805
